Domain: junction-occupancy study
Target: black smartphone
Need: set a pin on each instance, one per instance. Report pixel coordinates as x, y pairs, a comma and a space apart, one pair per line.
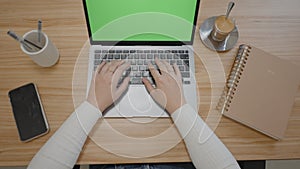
28, 112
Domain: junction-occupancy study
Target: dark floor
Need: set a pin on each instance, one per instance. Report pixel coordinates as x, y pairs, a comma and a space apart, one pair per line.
243, 165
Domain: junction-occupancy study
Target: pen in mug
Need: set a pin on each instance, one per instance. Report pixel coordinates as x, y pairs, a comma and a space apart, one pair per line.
25, 42
39, 30
33, 44
16, 37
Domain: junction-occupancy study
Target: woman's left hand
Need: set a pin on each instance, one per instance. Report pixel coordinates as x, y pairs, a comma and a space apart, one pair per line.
104, 89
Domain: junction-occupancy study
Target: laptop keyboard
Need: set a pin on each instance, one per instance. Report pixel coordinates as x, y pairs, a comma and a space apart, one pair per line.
139, 60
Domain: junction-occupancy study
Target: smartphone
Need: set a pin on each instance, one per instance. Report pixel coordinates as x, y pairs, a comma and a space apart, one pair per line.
28, 112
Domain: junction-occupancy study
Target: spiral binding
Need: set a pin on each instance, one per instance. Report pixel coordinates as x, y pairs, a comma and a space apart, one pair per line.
234, 78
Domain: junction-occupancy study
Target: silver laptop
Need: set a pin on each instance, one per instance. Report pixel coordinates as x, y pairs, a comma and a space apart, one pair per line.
138, 32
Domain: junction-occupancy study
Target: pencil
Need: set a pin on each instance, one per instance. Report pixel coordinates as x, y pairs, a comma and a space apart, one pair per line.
17, 38
39, 30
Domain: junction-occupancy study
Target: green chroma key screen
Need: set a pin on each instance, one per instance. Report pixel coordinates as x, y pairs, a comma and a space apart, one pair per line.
141, 20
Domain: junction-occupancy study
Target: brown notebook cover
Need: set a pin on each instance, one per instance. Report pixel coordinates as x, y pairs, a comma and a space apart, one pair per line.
260, 91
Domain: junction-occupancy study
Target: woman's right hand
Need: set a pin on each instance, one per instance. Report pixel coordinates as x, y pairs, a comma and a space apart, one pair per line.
168, 92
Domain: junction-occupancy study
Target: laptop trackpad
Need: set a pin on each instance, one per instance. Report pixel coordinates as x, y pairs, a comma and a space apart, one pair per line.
138, 103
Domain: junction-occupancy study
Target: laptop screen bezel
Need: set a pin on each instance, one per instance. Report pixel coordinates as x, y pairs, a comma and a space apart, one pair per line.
142, 43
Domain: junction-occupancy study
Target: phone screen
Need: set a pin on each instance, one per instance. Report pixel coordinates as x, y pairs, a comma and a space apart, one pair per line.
28, 112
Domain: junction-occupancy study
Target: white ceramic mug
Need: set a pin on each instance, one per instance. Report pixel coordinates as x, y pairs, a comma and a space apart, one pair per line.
47, 56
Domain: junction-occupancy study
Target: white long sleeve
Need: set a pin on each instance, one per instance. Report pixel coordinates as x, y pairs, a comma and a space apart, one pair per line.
205, 148
63, 148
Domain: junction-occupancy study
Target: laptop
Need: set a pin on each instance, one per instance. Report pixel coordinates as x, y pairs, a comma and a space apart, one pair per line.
139, 31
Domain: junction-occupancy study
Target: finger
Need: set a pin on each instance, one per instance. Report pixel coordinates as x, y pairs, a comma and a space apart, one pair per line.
105, 67
124, 85
118, 74
119, 71
114, 65
169, 67
99, 67
153, 71
148, 85
177, 71
96, 73
162, 67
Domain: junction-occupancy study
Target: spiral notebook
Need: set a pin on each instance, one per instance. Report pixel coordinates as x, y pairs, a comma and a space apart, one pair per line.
260, 91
